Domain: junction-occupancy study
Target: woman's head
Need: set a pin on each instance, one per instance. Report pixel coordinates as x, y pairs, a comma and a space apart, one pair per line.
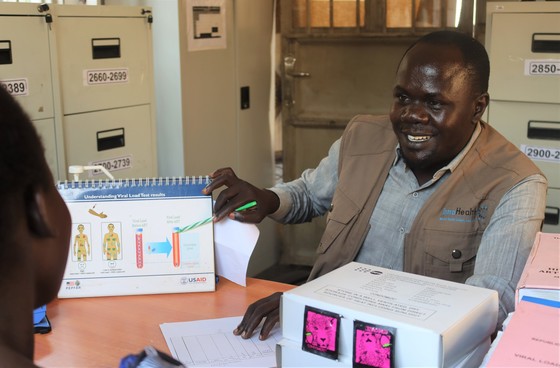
34, 220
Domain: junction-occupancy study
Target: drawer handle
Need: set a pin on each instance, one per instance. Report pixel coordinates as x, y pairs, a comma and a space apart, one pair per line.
546, 43
106, 48
551, 215
109, 139
5, 52
549, 130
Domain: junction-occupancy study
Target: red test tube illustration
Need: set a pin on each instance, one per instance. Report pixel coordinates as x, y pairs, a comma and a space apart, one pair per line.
139, 248
176, 248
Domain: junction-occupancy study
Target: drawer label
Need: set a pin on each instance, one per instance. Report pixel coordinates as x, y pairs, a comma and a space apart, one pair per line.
542, 67
105, 76
15, 87
113, 164
542, 153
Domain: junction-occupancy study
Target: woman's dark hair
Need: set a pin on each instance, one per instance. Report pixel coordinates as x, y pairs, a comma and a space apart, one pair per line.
23, 168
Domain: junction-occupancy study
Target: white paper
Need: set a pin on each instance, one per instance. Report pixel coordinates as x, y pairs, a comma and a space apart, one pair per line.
211, 342
234, 243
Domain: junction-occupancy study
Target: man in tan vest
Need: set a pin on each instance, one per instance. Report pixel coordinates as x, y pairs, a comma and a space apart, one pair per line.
430, 189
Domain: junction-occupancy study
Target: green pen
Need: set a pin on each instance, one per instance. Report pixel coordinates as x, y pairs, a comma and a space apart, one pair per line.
246, 206
209, 219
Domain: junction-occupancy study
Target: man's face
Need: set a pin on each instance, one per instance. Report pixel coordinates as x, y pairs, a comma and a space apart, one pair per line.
434, 108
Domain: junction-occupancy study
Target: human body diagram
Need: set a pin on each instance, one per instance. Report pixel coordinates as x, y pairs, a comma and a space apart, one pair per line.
111, 244
81, 247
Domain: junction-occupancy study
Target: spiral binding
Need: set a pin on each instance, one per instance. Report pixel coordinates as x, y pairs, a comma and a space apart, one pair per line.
117, 183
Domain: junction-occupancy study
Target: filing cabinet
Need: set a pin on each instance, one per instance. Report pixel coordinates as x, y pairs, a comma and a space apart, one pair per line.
26, 72
84, 75
106, 84
523, 42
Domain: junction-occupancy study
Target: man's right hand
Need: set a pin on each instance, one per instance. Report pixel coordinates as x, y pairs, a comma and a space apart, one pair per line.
238, 193
267, 308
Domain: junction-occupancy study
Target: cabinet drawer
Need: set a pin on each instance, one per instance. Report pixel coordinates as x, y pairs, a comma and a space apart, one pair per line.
525, 57
105, 62
122, 138
535, 129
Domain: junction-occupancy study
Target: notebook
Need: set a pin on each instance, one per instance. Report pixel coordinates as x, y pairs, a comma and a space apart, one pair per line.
138, 236
541, 276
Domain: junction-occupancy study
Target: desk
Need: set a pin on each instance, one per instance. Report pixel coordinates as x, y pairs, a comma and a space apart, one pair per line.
98, 332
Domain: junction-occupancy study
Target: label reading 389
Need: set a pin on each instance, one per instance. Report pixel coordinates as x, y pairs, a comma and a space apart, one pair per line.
15, 87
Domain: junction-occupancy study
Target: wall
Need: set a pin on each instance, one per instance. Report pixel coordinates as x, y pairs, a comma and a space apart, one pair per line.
200, 124
167, 82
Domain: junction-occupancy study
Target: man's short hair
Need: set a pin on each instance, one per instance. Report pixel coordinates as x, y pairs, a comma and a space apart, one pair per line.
474, 54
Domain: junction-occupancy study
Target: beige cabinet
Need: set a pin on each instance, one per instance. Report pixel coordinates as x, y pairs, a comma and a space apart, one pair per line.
26, 72
523, 41
84, 74
106, 85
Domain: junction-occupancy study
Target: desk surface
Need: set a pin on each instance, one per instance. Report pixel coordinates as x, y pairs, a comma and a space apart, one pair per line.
98, 332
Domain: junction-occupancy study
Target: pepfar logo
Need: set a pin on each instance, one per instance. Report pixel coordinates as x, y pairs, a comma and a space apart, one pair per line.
73, 285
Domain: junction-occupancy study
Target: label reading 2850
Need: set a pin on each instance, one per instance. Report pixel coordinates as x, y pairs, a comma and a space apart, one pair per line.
542, 67
105, 76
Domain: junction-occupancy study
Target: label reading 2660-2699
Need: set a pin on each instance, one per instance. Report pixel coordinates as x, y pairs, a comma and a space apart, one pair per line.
105, 76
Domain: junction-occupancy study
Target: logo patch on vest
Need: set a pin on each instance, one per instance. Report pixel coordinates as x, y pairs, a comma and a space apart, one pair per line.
460, 214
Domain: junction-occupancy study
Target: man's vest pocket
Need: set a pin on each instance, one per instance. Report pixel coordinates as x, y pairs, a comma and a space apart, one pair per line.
342, 212
451, 255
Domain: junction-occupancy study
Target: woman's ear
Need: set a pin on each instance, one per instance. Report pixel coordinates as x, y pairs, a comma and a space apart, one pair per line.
481, 104
36, 213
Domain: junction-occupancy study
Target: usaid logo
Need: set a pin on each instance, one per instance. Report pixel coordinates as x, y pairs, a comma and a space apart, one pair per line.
192, 280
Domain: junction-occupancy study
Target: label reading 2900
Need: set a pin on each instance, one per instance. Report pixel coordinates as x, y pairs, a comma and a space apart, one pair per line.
105, 76
542, 153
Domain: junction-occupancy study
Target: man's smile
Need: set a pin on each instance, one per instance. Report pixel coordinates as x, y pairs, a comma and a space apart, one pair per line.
418, 138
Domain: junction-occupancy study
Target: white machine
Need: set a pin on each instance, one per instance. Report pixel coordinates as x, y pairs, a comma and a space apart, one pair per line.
523, 41
84, 74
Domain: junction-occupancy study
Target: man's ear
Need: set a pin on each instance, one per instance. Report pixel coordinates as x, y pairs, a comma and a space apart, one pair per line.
480, 106
36, 213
